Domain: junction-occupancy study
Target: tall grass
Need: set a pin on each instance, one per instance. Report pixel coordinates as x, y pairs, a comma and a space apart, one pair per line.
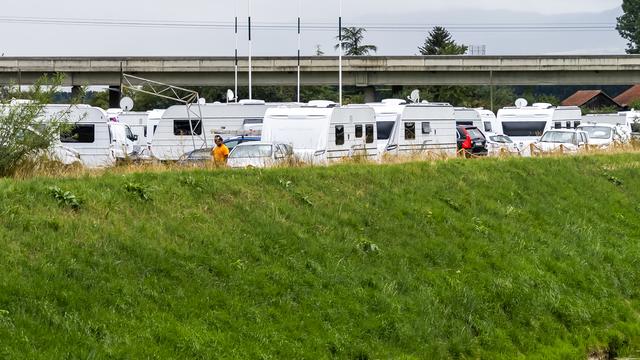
500, 258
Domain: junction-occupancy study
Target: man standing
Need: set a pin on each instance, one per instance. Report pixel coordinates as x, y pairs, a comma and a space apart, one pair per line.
220, 152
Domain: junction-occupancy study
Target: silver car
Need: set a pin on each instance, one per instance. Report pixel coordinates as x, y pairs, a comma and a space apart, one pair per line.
259, 155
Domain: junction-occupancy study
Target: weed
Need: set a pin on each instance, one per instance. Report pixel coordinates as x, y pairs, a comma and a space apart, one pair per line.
138, 190
65, 198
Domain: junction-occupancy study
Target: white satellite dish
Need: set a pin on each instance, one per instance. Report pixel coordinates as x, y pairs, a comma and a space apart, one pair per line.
126, 103
230, 95
202, 101
521, 103
415, 96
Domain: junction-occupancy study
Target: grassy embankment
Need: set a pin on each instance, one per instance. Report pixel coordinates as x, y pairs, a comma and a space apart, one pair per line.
537, 258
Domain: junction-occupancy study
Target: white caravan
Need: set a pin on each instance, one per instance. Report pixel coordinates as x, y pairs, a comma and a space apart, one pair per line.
143, 125
490, 122
88, 136
424, 128
319, 134
624, 119
181, 131
469, 117
388, 112
526, 124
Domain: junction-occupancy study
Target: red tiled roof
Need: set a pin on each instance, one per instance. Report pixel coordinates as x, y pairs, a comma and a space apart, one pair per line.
581, 97
629, 96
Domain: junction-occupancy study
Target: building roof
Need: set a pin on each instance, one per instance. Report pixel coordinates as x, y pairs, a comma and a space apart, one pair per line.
626, 98
582, 97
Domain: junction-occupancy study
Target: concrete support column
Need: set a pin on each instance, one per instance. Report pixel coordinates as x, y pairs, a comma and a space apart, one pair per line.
370, 94
114, 96
75, 92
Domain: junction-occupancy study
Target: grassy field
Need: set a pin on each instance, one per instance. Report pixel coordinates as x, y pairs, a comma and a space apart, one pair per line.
530, 258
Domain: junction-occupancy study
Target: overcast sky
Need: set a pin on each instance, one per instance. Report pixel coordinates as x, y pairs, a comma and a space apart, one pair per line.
203, 27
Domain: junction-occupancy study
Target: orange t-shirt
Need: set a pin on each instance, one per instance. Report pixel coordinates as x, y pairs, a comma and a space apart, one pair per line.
220, 154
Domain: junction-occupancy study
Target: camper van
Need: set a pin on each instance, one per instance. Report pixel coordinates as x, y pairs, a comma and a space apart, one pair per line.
88, 137
180, 129
424, 128
526, 124
320, 133
625, 119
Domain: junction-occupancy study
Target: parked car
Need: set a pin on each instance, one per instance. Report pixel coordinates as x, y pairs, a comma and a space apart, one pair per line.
499, 144
603, 135
258, 155
471, 140
566, 140
235, 141
196, 157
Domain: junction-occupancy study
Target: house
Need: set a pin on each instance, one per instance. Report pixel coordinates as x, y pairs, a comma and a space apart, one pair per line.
629, 97
592, 100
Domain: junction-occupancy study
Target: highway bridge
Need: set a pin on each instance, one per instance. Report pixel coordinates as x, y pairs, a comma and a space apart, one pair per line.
369, 71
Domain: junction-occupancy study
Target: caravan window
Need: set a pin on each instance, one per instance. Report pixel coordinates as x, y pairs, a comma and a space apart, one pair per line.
384, 129
369, 130
410, 131
130, 135
576, 124
558, 125
182, 127
568, 124
256, 121
524, 128
358, 131
426, 128
79, 133
488, 127
339, 135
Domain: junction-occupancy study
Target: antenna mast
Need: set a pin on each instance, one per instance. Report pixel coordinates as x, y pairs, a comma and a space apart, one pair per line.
236, 57
340, 55
250, 56
299, 45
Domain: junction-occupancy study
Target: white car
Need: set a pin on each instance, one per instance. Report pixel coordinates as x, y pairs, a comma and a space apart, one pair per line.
258, 155
499, 144
565, 140
603, 135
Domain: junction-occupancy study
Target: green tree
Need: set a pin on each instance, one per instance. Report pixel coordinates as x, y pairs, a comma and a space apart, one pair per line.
629, 25
440, 42
25, 133
352, 39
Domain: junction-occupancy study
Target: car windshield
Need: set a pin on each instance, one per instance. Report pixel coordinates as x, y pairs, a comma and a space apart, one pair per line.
475, 133
251, 151
563, 137
598, 132
501, 139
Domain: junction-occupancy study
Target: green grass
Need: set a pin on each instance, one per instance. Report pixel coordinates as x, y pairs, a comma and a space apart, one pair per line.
517, 258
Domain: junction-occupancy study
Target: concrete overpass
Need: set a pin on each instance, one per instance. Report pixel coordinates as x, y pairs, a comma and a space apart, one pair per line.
367, 71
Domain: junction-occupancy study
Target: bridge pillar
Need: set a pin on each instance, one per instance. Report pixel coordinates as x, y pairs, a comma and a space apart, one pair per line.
370, 94
75, 92
114, 96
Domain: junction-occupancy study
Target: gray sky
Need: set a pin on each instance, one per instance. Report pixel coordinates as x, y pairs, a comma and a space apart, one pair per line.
202, 27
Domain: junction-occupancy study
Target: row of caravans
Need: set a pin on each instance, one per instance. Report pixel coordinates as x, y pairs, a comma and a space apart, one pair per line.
318, 131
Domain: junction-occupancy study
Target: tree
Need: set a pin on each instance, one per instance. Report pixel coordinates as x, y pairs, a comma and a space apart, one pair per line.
440, 42
352, 38
629, 25
25, 133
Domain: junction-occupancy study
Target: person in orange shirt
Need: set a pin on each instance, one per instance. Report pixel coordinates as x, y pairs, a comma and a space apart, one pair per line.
220, 152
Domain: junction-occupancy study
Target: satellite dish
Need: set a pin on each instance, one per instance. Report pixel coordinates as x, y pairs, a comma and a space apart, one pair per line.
126, 103
520, 103
202, 101
415, 96
230, 95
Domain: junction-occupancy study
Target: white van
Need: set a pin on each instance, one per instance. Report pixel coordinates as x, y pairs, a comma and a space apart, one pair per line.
143, 125
175, 135
320, 134
388, 112
490, 124
424, 128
